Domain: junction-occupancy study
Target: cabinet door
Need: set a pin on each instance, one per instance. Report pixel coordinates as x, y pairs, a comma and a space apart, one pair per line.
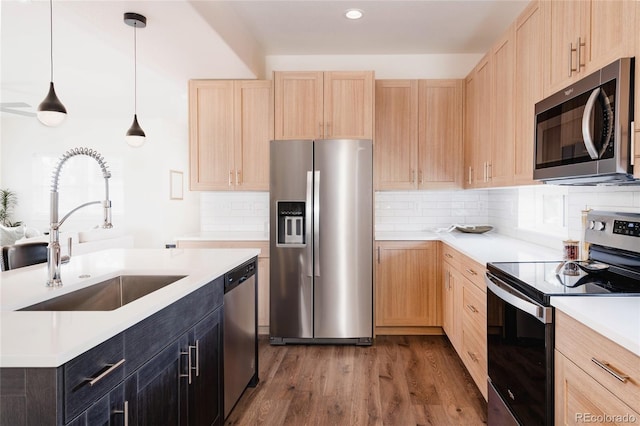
253, 104
157, 392
567, 26
408, 292
440, 134
396, 144
451, 296
470, 129
528, 89
205, 392
483, 109
298, 104
578, 395
611, 32
108, 410
211, 135
502, 118
348, 105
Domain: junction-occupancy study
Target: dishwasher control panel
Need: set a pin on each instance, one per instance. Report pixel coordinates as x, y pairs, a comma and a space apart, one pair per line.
239, 275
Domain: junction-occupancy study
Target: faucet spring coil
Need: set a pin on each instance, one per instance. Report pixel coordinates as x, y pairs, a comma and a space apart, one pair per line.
72, 153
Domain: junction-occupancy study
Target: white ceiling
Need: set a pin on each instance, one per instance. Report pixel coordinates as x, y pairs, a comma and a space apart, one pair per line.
306, 27
93, 48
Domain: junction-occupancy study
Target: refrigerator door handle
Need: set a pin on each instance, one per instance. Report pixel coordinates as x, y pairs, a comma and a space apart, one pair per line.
316, 223
308, 225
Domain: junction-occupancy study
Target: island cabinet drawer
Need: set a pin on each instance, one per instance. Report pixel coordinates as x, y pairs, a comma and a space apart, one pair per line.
90, 376
148, 337
611, 365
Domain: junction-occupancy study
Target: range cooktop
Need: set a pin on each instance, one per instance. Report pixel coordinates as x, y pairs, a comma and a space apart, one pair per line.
541, 280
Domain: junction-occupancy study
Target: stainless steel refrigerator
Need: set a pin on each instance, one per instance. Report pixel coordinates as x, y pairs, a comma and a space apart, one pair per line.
321, 241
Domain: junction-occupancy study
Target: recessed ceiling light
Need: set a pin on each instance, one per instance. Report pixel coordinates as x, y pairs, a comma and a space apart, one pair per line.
353, 13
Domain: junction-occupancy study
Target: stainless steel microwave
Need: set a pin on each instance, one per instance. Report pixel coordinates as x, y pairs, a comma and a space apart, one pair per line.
583, 133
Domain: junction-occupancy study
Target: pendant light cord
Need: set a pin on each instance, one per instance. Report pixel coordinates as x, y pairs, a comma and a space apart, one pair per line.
51, 36
135, 70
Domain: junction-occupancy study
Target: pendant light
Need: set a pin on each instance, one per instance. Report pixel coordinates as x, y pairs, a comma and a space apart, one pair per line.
135, 135
51, 112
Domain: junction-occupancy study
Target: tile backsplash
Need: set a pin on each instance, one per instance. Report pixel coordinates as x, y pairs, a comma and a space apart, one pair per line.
413, 211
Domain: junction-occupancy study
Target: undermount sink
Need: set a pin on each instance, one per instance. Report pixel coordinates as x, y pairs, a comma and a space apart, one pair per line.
107, 295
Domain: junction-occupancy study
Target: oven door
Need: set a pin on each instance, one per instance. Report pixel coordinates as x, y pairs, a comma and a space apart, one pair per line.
520, 356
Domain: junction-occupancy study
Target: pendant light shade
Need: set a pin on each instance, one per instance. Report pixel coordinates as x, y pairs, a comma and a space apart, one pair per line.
135, 136
51, 112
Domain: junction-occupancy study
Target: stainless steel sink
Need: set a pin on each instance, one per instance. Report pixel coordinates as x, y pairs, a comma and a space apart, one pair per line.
107, 295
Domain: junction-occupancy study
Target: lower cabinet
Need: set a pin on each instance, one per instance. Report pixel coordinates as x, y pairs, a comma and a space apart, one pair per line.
407, 290
183, 383
595, 379
263, 271
465, 312
165, 370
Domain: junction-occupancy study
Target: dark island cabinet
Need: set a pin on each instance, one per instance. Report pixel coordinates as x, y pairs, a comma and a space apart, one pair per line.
165, 370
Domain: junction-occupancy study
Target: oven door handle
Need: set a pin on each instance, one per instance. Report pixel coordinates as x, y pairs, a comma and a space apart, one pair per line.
544, 314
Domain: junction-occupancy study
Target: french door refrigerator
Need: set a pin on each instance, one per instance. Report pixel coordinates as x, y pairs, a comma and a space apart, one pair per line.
321, 241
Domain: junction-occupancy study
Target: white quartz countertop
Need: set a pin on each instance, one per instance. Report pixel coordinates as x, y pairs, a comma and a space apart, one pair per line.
225, 236
617, 318
483, 248
49, 339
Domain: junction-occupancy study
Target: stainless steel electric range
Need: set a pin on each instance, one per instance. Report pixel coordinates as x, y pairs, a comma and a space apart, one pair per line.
520, 330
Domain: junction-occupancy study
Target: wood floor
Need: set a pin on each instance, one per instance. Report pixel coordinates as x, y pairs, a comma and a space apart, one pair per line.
398, 381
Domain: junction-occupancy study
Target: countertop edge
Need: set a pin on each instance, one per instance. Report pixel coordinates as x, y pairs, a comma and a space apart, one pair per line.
54, 355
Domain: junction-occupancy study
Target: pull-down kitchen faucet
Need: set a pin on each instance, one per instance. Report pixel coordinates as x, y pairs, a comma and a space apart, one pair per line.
54, 258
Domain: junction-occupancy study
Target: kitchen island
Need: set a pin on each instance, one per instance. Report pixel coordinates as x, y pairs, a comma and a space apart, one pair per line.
83, 367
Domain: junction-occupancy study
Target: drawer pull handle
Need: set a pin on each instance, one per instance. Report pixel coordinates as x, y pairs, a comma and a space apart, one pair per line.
471, 271
606, 367
93, 380
472, 308
448, 255
124, 412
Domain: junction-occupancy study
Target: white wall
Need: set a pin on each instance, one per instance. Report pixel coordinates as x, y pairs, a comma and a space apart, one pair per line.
140, 176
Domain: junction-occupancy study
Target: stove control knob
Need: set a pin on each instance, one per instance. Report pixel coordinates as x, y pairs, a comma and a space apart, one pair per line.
592, 224
599, 226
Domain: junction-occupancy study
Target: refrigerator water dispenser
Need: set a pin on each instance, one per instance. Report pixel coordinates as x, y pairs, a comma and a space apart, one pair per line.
291, 222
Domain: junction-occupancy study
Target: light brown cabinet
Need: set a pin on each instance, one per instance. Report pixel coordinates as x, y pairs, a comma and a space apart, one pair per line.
407, 288
478, 135
583, 36
529, 70
500, 167
465, 312
230, 126
263, 271
593, 375
332, 104
418, 138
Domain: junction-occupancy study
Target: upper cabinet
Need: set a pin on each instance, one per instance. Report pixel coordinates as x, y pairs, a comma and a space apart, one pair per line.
583, 36
636, 139
528, 89
313, 105
230, 126
418, 134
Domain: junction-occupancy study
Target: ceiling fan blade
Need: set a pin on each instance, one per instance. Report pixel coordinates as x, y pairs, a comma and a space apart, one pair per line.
10, 108
14, 105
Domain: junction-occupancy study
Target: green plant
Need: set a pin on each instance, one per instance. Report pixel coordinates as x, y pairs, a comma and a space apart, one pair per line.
8, 201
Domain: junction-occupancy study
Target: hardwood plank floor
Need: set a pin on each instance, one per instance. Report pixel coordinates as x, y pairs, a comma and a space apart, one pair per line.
398, 381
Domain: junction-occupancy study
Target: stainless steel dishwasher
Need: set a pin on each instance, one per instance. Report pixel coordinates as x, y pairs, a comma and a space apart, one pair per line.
240, 332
